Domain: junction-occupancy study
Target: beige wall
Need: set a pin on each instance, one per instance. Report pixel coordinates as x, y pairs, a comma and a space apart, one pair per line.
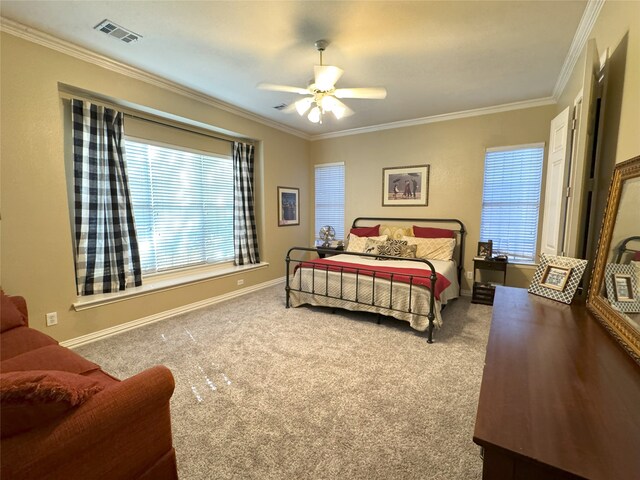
617, 30
455, 150
37, 256
37, 253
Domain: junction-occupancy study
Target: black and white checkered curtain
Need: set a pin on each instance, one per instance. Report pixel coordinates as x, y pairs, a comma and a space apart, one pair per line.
107, 257
244, 223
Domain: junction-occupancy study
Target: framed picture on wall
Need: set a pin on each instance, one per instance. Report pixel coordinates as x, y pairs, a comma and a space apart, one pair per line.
405, 186
288, 206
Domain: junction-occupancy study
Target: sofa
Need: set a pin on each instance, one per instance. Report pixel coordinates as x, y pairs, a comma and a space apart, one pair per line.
63, 417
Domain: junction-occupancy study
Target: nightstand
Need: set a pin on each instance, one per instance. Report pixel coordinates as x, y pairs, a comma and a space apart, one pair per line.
328, 251
483, 292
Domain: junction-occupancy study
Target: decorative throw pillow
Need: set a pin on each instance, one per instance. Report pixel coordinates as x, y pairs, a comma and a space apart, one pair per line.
392, 248
10, 316
408, 251
431, 232
372, 245
433, 248
366, 231
36, 397
394, 232
357, 244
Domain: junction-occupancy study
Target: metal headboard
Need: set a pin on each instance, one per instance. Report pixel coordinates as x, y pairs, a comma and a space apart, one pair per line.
622, 249
459, 232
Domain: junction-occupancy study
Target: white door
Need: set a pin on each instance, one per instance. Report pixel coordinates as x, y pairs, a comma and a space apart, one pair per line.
555, 197
578, 203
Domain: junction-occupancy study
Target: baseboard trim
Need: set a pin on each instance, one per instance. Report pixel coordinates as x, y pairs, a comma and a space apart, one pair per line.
124, 327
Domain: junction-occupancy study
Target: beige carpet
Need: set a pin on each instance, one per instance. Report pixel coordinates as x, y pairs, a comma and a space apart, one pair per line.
264, 392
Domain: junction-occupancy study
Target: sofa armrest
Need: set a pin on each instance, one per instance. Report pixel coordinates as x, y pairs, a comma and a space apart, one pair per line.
118, 434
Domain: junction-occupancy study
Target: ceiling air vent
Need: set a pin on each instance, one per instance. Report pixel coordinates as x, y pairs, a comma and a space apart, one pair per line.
114, 30
282, 106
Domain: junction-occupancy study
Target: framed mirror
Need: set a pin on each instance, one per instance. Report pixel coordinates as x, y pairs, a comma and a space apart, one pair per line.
614, 290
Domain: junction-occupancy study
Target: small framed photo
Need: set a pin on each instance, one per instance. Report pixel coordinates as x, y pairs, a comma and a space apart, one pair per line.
485, 249
405, 186
288, 206
555, 277
623, 288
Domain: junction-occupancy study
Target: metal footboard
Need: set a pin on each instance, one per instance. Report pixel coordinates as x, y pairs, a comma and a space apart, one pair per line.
331, 286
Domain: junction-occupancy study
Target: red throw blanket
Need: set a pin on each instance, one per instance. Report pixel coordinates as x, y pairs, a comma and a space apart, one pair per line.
414, 276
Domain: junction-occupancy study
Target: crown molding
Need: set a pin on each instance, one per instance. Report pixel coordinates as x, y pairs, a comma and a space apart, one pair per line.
587, 21
73, 50
589, 17
440, 118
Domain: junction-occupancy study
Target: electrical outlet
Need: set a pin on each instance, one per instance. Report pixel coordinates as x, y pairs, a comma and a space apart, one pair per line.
52, 319
240, 282
469, 275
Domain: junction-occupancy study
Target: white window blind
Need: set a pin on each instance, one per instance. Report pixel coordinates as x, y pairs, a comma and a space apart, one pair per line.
183, 206
511, 201
329, 195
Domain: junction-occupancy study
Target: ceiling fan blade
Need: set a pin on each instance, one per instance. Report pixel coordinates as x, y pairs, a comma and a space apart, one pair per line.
372, 92
340, 109
283, 88
326, 76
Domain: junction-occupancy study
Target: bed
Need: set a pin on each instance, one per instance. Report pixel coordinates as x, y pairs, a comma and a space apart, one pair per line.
384, 274
628, 250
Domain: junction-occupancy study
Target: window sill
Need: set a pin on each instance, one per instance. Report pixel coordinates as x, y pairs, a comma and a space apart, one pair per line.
157, 284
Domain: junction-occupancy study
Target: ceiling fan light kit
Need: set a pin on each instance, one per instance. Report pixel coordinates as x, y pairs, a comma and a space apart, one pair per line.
323, 93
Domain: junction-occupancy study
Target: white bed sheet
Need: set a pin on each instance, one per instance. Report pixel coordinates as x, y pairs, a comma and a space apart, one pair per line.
329, 282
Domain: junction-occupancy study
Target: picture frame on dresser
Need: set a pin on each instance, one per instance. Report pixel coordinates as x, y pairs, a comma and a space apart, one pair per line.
623, 288
557, 278
620, 284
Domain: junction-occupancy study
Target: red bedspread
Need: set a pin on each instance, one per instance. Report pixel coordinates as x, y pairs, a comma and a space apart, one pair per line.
414, 276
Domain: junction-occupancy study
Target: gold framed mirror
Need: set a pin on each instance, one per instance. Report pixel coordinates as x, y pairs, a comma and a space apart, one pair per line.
619, 257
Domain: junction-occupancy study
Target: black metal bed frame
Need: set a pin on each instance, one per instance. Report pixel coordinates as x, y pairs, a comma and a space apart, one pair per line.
371, 272
622, 249
459, 233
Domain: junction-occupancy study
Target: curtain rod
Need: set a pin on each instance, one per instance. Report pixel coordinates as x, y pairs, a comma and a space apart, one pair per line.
132, 113
157, 122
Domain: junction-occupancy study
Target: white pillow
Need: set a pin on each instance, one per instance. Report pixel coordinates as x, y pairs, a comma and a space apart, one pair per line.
357, 244
433, 248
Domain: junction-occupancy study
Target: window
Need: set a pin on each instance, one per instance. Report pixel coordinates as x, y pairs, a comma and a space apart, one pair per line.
183, 206
329, 179
511, 200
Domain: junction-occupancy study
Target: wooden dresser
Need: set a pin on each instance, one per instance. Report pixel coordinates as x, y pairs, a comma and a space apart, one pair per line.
559, 398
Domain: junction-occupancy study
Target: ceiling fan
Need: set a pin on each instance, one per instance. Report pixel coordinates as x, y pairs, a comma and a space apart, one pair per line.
323, 95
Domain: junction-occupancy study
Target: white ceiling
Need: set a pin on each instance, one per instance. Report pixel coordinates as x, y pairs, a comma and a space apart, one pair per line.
433, 57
